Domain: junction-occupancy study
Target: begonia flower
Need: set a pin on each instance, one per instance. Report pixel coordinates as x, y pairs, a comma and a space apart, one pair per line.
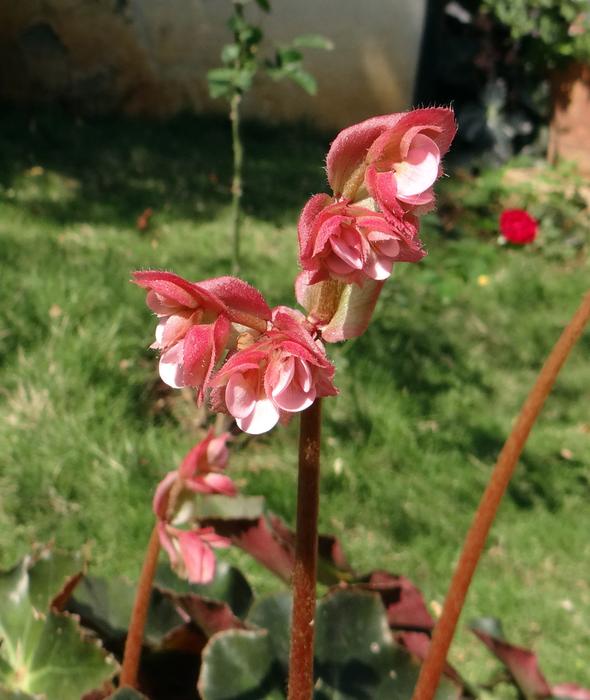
195, 322
190, 550
518, 226
395, 159
281, 373
351, 243
382, 173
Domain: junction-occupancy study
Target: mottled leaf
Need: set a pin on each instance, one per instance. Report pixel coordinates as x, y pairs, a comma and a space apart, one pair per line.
240, 664
104, 606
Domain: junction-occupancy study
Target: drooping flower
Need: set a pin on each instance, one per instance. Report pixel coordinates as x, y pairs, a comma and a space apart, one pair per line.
281, 373
518, 226
195, 322
351, 243
190, 550
395, 159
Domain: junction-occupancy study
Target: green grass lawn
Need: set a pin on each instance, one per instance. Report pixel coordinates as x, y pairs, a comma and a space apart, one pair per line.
427, 395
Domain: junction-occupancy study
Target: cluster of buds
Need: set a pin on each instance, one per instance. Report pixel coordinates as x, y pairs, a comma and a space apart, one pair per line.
262, 365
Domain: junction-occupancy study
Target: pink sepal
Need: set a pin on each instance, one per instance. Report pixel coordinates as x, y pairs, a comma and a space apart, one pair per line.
239, 295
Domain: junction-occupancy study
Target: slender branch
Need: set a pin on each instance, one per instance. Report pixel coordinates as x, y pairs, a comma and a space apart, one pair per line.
236, 185
306, 554
134, 641
490, 501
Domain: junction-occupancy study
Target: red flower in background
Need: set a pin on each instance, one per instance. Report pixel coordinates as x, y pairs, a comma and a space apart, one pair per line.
518, 226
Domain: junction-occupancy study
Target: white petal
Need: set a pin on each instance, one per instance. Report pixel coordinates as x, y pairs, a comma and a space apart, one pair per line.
171, 369
264, 417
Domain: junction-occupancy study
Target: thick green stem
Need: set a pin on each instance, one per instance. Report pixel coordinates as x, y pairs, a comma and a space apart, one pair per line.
476, 537
236, 185
134, 641
306, 555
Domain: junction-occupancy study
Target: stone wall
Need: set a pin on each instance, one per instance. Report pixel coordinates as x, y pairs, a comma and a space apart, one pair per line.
151, 56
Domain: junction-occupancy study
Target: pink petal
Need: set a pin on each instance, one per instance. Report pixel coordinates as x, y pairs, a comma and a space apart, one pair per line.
198, 348
280, 373
169, 286
217, 452
307, 219
419, 169
170, 367
378, 267
303, 375
263, 418
383, 188
237, 294
293, 399
191, 462
240, 395
174, 328
350, 147
208, 534
167, 544
347, 254
162, 306
220, 483
212, 483
197, 556
160, 502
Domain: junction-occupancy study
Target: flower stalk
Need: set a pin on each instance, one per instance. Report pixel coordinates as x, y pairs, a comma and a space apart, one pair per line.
484, 517
134, 641
305, 569
236, 185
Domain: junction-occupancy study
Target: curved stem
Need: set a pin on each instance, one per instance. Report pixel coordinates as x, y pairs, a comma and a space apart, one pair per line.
306, 554
134, 641
486, 512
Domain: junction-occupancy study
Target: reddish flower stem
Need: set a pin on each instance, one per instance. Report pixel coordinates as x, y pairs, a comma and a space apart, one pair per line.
134, 641
306, 555
476, 537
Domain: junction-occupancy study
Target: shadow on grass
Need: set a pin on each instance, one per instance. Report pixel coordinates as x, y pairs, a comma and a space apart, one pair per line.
116, 168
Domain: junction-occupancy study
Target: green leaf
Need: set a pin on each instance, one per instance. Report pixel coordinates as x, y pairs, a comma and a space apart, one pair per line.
45, 654
104, 605
263, 5
239, 664
273, 613
229, 54
51, 577
287, 54
221, 82
313, 41
355, 655
229, 507
305, 80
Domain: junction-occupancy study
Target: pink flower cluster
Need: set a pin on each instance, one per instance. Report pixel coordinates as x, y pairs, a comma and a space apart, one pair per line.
382, 173
262, 365
191, 550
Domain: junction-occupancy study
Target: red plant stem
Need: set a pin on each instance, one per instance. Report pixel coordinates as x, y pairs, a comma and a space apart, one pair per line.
133, 644
306, 555
476, 537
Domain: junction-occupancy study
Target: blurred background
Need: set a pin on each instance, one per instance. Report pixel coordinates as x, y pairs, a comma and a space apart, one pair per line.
116, 154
